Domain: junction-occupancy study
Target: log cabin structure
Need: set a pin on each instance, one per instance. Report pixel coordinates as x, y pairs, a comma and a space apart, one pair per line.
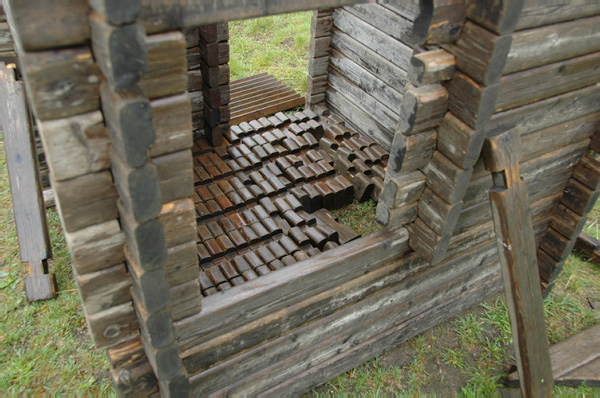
204, 259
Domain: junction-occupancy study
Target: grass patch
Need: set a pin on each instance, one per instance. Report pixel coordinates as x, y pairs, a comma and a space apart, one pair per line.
360, 216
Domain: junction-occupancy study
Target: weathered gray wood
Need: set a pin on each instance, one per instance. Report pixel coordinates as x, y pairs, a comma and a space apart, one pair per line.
440, 216
404, 189
179, 221
432, 67
458, 142
97, 247
548, 112
410, 153
67, 23
357, 118
104, 289
339, 332
397, 216
439, 21
361, 97
120, 51
385, 20
175, 175
161, 15
538, 13
560, 159
516, 245
407, 9
422, 108
378, 41
128, 115
113, 326
172, 122
427, 243
498, 17
167, 66
473, 216
76, 145
117, 12
587, 172
146, 241
138, 188
370, 83
25, 185
216, 317
364, 56
181, 264
86, 200
156, 326
134, 378
470, 102
446, 179
560, 135
481, 54
396, 276
541, 46
61, 83
546, 81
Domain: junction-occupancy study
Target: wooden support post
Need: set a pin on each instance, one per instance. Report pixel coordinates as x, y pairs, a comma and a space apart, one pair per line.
28, 203
516, 244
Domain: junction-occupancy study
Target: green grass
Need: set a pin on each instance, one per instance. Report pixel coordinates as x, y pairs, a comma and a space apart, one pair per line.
277, 45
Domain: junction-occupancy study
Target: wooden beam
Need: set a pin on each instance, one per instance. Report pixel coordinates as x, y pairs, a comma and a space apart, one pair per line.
28, 203
516, 245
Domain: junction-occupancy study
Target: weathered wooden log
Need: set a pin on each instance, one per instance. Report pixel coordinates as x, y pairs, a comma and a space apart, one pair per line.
103, 289
410, 153
470, 102
113, 326
458, 142
446, 179
440, 216
396, 216
128, 115
498, 17
431, 67
422, 108
117, 12
166, 74
120, 51
404, 189
439, 21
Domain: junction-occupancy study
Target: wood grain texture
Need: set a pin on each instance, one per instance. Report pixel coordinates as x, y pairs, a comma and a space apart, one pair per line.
393, 24
104, 289
25, 186
66, 23
422, 108
410, 153
537, 13
446, 179
113, 326
500, 17
458, 142
545, 45
76, 145
167, 66
179, 221
61, 83
439, 21
215, 317
117, 12
86, 200
172, 124
175, 175
471, 102
120, 51
431, 67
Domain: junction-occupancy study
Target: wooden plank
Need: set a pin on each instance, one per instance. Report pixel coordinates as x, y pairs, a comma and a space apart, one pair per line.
66, 23
422, 108
358, 118
164, 15
394, 296
86, 200
537, 13
25, 187
249, 79
548, 112
268, 108
410, 153
546, 81
113, 326
379, 42
120, 51
179, 221
340, 332
498, 17
172, 125
385, 20
535, 47
117, 13
61, 83
446, 179
104, 289
75, 145
365, 57
407, 9
470, 102
516, 246
175, 175
167, 66
559, 159
370, 83
458, 142
440, 22
216, 317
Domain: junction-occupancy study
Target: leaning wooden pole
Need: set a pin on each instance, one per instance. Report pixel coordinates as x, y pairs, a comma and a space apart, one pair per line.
516, 245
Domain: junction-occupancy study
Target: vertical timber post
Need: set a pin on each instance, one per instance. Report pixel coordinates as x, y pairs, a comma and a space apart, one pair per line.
516, 245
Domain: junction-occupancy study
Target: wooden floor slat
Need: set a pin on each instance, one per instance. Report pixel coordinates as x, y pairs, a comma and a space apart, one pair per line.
260, 95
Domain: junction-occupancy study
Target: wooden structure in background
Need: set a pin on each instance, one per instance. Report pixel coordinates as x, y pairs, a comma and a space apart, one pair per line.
429, 82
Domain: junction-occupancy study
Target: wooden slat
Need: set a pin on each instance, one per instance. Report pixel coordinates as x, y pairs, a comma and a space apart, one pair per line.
385, 20
538, 13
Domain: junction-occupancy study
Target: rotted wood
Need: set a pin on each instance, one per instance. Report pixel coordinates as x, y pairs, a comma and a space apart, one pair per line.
120, 51
422, 108
516, 245
432, 67
439, 21
25, 187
